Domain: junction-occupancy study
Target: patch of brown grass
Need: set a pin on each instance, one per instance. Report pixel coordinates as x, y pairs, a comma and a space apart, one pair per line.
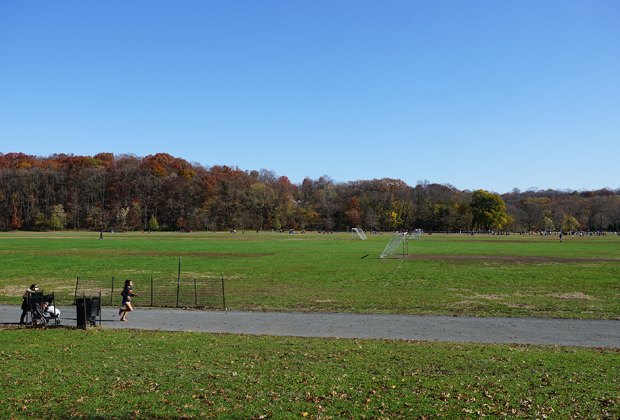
572, 296
489, 297
122, 252
508, 258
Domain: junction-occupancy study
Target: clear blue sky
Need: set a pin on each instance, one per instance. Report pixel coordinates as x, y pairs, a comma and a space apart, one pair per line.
478, 94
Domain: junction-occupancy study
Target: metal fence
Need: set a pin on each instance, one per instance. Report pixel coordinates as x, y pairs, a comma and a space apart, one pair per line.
205, 293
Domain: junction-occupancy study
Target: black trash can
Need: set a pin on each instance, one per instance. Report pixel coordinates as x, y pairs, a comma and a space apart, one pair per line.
88, 310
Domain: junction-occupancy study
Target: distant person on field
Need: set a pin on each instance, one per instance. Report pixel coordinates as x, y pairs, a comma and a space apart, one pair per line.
127, 294
26, 302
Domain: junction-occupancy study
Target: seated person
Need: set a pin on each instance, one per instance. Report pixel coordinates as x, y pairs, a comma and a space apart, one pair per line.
51, 310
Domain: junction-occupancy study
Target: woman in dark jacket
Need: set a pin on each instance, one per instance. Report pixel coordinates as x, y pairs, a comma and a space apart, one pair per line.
26, 302
127, 294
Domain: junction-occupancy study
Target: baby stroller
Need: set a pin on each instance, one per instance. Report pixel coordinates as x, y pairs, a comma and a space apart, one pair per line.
42, 309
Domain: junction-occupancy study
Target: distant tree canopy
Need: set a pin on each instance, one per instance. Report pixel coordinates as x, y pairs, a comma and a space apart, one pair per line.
159, 191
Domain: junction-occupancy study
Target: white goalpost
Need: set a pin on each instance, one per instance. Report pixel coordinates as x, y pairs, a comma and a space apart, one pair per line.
400, 242
360, 233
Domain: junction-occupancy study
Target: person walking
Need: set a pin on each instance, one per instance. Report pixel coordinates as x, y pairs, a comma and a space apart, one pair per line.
26, 302
126, 306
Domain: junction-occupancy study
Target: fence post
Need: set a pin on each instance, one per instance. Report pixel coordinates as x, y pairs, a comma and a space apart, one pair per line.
77, 282
223, 294
178, 281
100, 306
112, 293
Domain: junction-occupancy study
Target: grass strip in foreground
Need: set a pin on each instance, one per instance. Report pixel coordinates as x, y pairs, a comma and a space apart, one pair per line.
122, 374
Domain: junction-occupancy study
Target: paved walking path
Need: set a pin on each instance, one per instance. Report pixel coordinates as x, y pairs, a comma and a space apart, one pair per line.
565, 332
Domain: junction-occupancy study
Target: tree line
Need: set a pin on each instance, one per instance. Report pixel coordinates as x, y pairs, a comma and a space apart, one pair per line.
163, 192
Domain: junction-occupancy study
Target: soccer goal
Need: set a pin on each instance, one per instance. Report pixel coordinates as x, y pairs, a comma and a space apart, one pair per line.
399, 244
415, 234
360, 233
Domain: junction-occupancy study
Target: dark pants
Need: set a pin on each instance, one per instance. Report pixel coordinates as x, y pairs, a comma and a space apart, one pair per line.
25, 310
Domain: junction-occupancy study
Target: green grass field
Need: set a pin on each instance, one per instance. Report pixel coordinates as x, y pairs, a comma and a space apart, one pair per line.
443, 274
131, 374
62, 373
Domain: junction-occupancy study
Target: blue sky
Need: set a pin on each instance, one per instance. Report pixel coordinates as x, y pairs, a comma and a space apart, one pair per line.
477, 94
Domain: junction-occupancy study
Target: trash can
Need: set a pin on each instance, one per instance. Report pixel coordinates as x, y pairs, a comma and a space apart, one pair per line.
88, 310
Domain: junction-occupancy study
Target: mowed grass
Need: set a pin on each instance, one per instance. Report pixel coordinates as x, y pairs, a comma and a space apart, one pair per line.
60, 373
516, 275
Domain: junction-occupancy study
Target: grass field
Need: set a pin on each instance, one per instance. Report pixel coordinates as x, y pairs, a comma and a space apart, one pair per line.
443, 274
59, 373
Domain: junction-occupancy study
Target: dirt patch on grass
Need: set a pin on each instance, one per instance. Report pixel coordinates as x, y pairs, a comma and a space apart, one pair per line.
509, 239
13, 290
519, 306
46, 285
528, 259
123, 253
489, 297
572, 296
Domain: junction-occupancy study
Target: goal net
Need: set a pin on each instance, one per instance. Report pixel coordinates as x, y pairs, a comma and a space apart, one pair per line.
360, 233
415, 234
396, 244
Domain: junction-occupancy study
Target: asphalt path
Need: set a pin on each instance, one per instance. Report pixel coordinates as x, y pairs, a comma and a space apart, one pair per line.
545, 331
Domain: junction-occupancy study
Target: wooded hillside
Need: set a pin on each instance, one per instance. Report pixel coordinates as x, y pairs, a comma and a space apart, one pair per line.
159, 191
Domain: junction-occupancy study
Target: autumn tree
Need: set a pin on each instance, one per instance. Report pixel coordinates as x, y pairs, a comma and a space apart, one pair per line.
353, 213
488, 210
570, 224
153, 223
181, 224
57, 218
123, 191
